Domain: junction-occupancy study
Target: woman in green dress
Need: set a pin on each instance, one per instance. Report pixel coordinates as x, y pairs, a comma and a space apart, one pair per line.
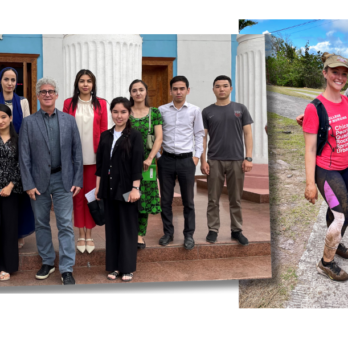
140, 115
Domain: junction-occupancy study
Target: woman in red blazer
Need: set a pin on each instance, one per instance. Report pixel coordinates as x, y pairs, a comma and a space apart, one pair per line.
90, 113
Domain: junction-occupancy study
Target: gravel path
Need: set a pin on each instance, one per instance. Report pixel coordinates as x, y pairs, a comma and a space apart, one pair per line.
285, 105
314, 290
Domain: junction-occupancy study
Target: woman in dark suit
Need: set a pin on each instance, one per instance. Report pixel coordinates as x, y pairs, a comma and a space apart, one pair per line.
119, 172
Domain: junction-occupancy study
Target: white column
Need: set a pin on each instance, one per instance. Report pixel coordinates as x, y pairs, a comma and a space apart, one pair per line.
52, 50
251, 89
115, 60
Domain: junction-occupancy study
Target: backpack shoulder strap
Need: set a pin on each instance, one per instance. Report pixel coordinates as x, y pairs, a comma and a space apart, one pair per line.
323, 131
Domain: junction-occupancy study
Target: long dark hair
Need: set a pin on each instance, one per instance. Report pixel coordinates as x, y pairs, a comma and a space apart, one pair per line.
13, 134
126, 145
75, 98
147, 100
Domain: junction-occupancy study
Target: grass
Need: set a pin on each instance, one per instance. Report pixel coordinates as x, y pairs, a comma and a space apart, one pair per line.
292, 217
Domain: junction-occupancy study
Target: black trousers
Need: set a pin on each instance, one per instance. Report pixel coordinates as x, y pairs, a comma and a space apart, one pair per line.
168, 169
121, 235
9, 258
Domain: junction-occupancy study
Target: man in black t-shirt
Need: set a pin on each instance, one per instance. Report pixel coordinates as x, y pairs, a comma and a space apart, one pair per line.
226, 123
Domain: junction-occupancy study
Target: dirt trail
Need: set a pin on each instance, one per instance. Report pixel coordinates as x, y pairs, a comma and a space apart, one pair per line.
314, 290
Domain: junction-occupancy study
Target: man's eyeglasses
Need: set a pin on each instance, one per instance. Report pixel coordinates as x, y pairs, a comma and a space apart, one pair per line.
49, 92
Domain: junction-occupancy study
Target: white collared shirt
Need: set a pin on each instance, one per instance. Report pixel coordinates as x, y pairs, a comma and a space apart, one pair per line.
180, 126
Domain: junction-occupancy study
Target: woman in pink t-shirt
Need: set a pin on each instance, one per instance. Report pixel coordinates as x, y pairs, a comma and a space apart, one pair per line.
328, 168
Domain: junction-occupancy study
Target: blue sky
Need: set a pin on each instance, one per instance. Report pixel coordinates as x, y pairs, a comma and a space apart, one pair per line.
322, 35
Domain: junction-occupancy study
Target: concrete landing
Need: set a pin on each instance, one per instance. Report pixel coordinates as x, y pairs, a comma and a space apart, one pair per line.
256, 229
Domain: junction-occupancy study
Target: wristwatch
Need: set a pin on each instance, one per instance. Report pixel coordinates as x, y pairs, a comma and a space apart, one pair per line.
135, 187
249, 159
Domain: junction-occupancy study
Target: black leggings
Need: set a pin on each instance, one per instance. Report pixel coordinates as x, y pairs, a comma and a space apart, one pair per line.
338, 182
333, 186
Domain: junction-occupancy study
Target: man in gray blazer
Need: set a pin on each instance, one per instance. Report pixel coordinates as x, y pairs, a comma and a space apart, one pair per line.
50, 157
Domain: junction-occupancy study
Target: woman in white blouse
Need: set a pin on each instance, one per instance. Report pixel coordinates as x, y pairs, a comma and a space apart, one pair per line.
19, 106
90, 113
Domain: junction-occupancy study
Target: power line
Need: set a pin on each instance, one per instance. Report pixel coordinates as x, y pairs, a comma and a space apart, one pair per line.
315, 25
288, 28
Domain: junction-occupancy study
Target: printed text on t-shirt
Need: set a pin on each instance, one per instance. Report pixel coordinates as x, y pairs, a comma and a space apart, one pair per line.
341, 133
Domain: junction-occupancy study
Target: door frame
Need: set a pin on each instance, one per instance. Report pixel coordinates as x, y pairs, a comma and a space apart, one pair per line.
25, 59
162, 61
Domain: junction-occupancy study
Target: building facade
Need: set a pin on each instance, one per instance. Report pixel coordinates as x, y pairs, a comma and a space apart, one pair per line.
116, 60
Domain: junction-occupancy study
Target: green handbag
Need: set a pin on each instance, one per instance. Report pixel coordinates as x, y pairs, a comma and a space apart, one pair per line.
150, 139
150, 174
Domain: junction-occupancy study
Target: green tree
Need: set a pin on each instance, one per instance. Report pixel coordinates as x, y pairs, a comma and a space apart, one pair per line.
243, 23
291, 67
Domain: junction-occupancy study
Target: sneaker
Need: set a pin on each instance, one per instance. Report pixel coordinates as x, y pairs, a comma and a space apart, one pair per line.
332, 271
44, 272
240, 237
67, 278
342, 251
211, 237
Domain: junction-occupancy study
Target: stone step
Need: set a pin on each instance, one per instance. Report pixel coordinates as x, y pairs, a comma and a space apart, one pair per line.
165, 271
32, 261
256, 227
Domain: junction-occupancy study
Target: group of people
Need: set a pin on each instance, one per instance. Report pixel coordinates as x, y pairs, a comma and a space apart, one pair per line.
325, 127
55, 157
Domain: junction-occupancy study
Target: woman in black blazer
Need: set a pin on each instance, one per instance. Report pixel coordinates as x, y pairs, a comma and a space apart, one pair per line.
119, 172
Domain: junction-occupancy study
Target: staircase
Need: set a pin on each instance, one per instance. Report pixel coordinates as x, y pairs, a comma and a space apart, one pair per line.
226, 259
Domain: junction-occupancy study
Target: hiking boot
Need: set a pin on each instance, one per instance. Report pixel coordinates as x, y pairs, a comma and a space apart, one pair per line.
342, 251
211, 237
332, 271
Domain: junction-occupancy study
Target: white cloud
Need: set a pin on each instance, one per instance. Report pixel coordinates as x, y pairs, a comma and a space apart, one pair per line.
338, 48
340, 25
266, 32
330, 33
321, 46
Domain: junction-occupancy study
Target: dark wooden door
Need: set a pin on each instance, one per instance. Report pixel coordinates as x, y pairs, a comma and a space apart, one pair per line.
155, 78
26, 66
157, 73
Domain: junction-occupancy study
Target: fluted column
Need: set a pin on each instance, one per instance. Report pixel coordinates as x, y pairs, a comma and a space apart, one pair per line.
115, 60
251, 89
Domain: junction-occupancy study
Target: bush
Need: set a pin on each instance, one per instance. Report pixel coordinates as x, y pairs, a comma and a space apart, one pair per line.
294, 68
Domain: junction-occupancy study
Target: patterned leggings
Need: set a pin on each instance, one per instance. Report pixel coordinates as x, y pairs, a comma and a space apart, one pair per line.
142, 223
333, 186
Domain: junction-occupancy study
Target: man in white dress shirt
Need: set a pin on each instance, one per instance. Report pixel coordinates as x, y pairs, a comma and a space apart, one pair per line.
182, 124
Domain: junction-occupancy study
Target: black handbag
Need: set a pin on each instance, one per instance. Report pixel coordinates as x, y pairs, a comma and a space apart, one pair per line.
96, 209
